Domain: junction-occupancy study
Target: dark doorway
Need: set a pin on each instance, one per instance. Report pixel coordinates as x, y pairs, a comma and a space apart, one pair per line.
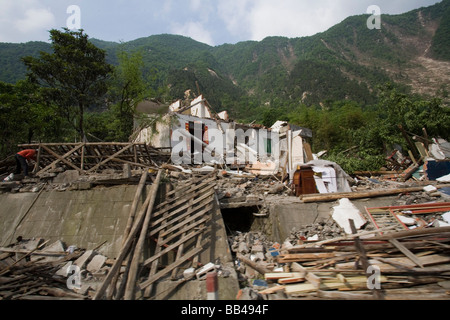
239, 219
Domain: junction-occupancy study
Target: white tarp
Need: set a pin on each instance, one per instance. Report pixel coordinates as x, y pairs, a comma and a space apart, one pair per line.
334, 177
326, 180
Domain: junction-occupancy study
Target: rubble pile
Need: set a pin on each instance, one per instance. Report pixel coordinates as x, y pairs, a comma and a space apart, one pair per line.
363, 266
333, 258
231, 187
396, 265
32, 270
322, 230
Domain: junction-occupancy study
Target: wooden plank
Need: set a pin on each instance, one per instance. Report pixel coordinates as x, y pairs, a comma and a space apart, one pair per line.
154, 266
309, 154
188, 220
207, 193
413, 233
298, 257
188, 193
423, 152
38, 160
110, 157
183, 207
36, 253
168, 269
282, 275
291, 280
272, 290
364, 259
158, 229
340, 295
406, 252
174, 214
60, 158
186, 229
6, 270
417, 206
351, 283
173, 246
181, 246
133, 208
309, 275
141, 165
357, 195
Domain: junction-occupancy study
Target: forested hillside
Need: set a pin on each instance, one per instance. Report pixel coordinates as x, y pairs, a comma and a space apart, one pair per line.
342, 83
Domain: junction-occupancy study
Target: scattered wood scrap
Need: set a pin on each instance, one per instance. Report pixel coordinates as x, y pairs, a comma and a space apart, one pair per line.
33, 270
398, 264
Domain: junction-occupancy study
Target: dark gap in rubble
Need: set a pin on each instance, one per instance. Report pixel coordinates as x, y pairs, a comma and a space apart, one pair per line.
239, 219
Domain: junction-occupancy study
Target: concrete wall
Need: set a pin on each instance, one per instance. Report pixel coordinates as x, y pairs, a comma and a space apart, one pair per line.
289, 214
82, 218
90, 217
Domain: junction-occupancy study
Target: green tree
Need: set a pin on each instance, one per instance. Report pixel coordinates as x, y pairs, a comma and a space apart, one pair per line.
412, 113
25, 116
73, 76
127, 88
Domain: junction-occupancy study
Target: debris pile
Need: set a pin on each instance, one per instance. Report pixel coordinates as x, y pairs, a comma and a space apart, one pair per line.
32, 270
322, 230
394, 252
394, 265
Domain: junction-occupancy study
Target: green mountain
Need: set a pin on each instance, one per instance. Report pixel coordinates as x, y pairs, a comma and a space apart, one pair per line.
346, 62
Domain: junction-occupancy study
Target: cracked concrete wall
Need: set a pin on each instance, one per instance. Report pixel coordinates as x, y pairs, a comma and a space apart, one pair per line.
285, 216
83, 218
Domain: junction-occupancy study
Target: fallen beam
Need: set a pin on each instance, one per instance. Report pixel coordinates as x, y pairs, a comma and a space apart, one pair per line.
359, 195
260, 269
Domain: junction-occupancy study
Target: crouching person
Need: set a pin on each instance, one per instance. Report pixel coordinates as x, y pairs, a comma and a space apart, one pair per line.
22, 159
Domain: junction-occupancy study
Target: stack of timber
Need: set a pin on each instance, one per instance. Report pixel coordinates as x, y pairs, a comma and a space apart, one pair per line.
394, 265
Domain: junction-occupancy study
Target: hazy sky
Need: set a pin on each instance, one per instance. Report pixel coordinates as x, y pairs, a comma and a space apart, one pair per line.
214, 22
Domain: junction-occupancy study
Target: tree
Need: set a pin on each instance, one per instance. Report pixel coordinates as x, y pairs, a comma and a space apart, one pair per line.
127, 89
73, 76
25, 116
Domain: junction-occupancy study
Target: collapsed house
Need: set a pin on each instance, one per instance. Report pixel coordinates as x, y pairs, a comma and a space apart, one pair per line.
192, 132
156, 217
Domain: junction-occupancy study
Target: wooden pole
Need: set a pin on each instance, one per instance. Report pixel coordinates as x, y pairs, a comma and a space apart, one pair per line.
131, 282
135, 203
358, 195
131, 217
253, 265
124, 251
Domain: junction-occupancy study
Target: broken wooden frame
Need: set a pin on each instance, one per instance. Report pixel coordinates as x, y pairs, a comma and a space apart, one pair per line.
383, 217
163, 237
180, 230
92, 157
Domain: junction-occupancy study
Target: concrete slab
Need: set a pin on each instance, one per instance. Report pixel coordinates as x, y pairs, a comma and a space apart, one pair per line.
83, 260
96, 263
285, 216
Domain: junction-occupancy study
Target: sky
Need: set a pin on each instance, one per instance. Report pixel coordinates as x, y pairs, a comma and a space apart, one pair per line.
213, 22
